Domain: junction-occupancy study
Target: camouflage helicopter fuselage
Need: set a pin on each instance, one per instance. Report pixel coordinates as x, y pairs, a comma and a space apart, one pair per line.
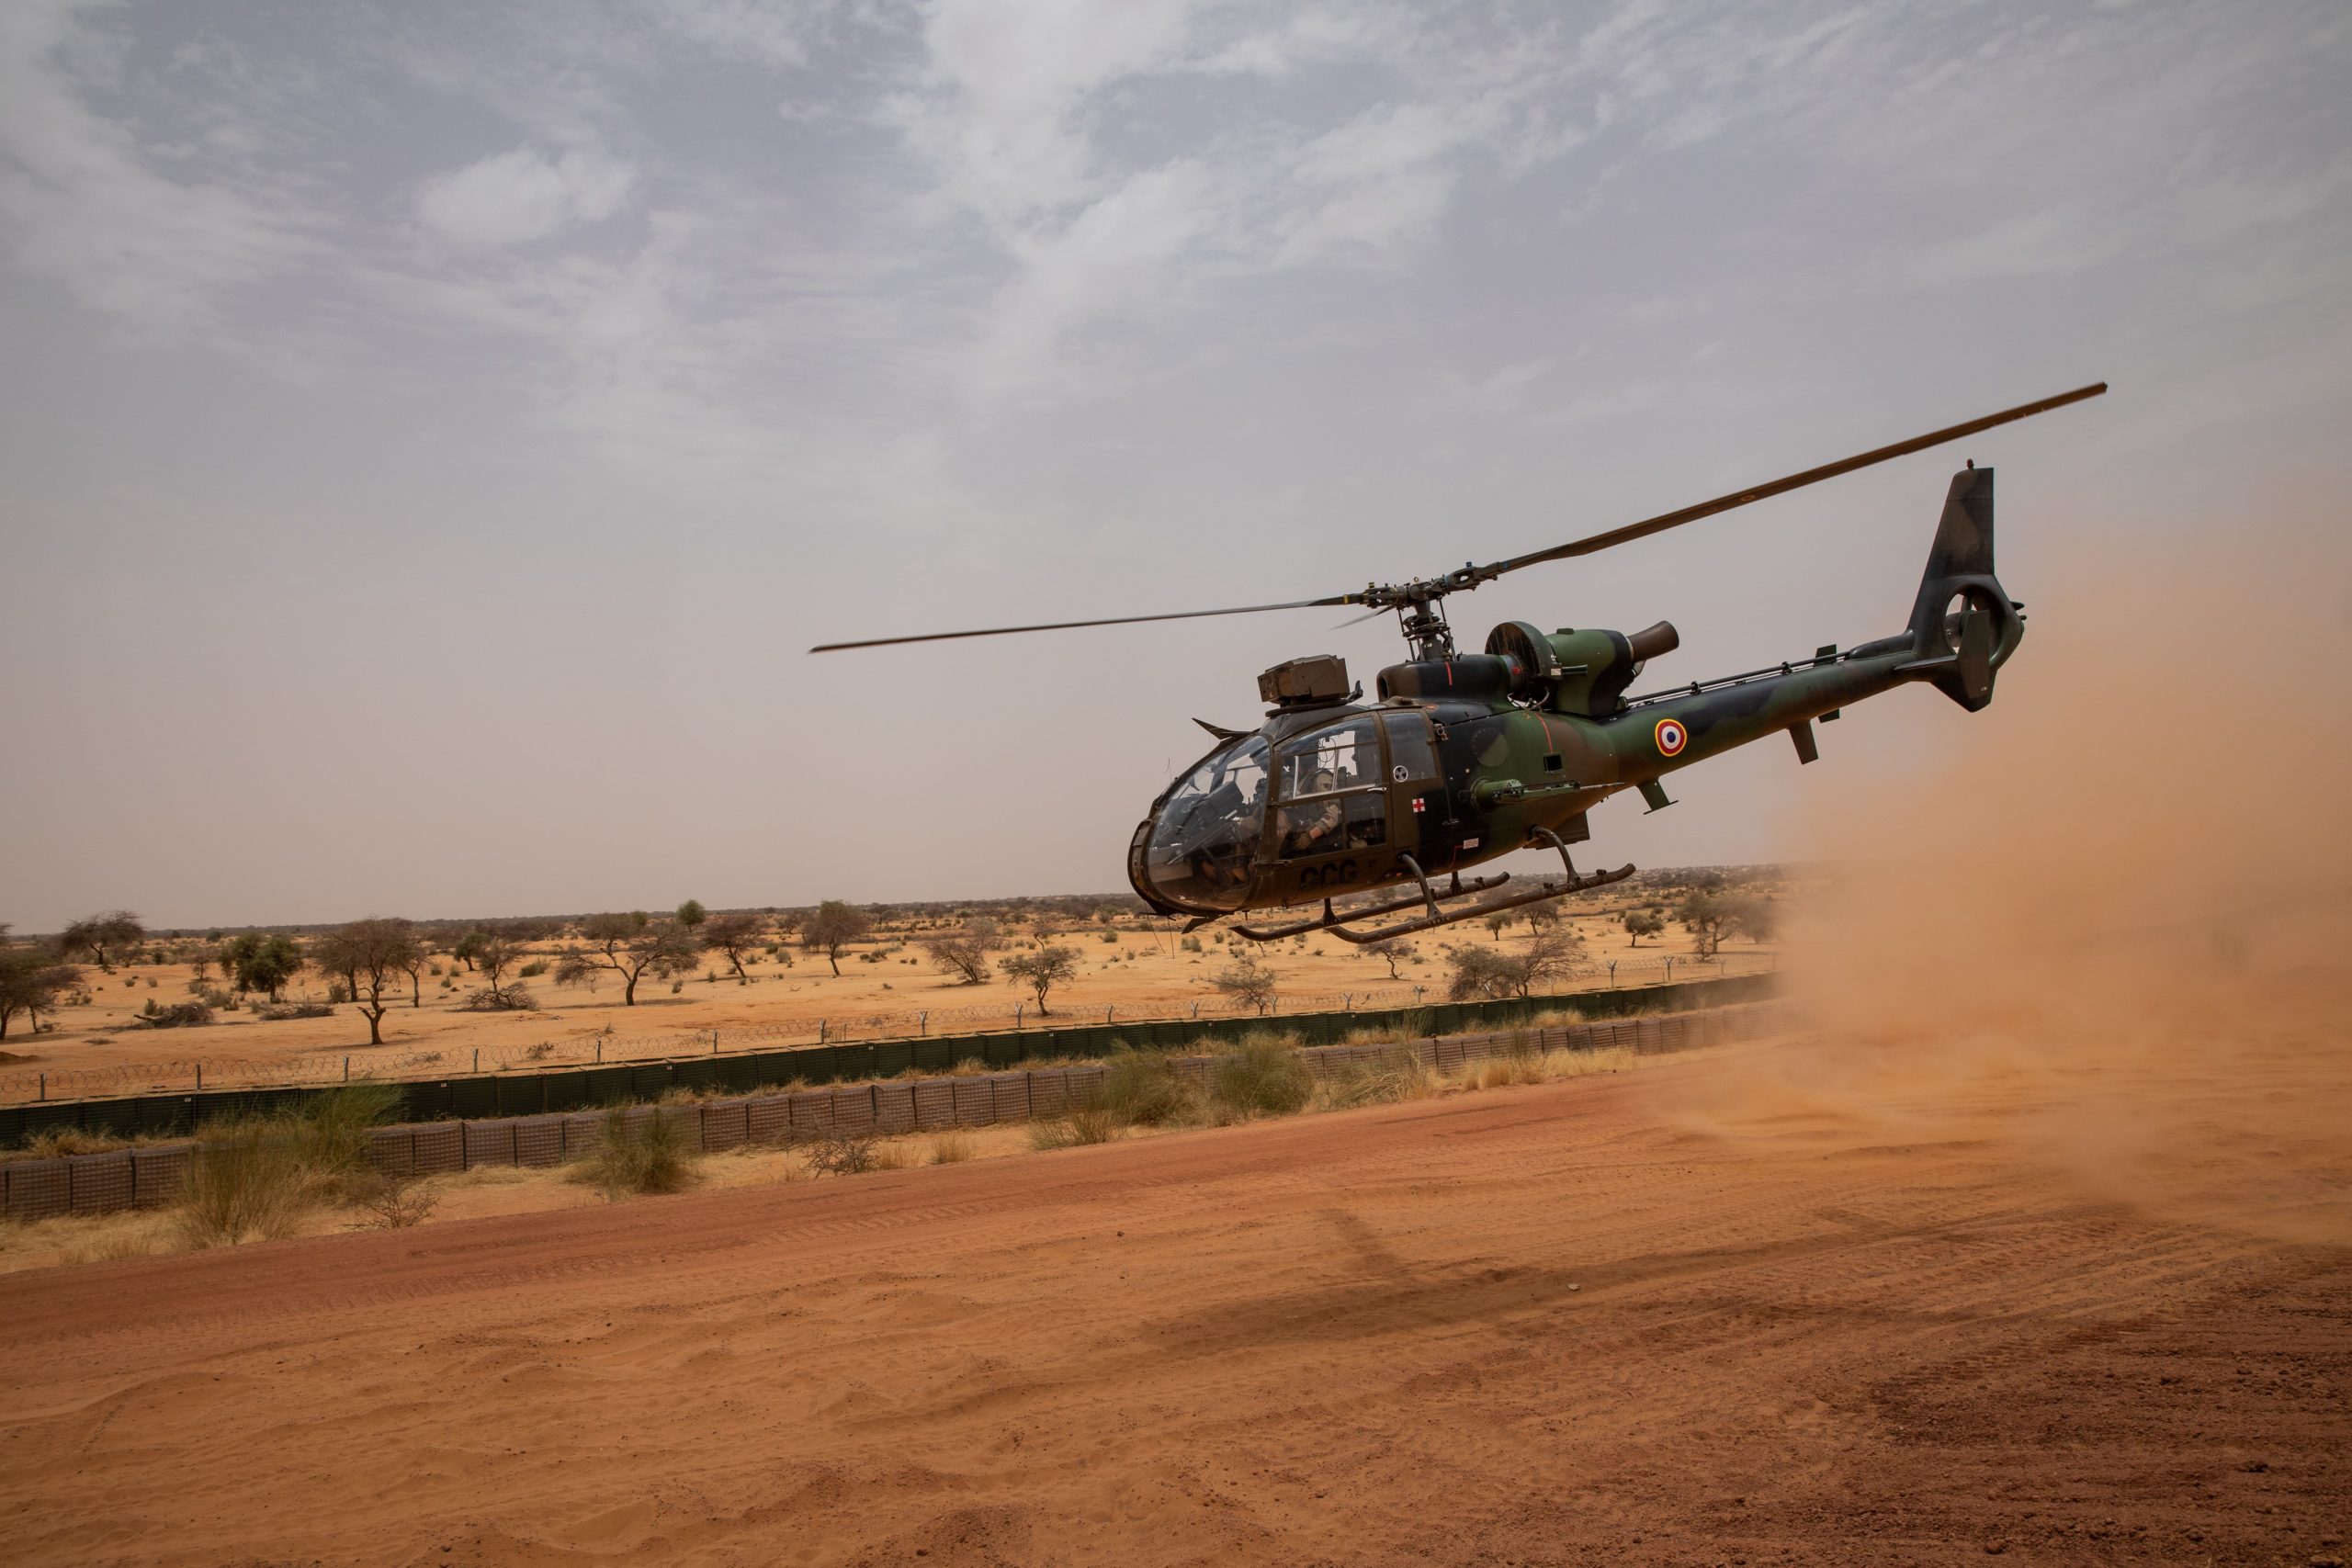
1467, 758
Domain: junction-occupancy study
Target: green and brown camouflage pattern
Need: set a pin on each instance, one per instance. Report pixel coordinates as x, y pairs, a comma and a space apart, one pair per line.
1535, 732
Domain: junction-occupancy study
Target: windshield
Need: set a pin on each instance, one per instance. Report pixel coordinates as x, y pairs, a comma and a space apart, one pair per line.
1206, 835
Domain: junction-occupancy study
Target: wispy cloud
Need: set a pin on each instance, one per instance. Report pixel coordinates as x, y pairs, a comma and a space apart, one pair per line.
130, 223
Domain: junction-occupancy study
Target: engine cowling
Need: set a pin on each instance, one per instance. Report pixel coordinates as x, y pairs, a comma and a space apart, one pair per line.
1578, 671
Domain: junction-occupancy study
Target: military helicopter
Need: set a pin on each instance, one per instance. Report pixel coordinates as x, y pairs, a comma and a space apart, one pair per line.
1463, 758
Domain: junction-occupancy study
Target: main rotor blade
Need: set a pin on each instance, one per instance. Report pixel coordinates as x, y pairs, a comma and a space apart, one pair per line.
1664, 520
1107, 621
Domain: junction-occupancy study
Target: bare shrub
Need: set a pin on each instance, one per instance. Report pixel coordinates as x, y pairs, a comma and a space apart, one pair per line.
844, 1153
395, 1202
179, 1015
278, 1012
499, 999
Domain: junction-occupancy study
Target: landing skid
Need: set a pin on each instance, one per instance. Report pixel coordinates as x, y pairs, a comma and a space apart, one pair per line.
1431, 901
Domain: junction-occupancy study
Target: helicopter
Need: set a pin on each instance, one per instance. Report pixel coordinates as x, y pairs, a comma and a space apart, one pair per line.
1463, 758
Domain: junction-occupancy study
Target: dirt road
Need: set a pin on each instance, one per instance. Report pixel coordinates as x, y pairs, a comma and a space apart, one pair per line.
1709, 1312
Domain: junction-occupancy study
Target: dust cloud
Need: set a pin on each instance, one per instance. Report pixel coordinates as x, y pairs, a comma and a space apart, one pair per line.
2103, 926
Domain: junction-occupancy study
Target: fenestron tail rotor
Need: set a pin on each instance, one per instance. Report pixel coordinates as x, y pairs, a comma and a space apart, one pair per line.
1417, 602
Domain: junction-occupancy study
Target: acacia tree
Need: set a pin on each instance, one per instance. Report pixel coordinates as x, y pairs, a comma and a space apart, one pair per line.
101, 935
369, 953
30, 983
260, 961
494, 956
1041, 971
1483, 972
1395, 950
965, 952
691, 913
835, 926
1756, 918
1706, 916
1640, 923
631, 946
1247, 980
415, 963
1500, 922
733, 935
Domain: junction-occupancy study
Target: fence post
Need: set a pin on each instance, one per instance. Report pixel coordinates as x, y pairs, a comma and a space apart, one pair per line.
476, 1058
1670, 969
1017, 1009
923, 1021
1106, 1017
44, 1086
346, 1069
600, 1050
713, 1043
820, 1031
1612, 974
199, 1077
1196, 1012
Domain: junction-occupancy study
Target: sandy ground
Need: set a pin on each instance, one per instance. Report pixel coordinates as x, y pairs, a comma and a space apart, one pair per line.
1794, 1302
99, 1048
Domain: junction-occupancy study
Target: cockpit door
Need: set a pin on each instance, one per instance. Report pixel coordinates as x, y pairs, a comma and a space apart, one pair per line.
1331, 830
1417, 811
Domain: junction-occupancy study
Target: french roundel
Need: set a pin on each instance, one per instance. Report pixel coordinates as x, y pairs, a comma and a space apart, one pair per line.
1671, 736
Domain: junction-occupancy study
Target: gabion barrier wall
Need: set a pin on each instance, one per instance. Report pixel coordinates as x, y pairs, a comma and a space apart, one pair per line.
151, 1177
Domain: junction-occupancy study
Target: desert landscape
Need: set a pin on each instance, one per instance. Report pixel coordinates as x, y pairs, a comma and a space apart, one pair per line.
1807, 1301
887, 785
1127, 963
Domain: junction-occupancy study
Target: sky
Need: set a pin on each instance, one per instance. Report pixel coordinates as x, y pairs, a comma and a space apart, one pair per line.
431, 434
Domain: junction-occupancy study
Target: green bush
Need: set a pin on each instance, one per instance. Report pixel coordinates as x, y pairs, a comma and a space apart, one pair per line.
255, 1179
1143, 1088
1262, 1076
649, 1154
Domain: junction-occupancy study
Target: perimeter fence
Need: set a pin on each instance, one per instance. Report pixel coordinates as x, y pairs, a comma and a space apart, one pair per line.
542, 1090
154, 1176
598, 1047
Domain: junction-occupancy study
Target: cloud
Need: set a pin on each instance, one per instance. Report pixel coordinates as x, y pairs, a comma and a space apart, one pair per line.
82, 200
512, 198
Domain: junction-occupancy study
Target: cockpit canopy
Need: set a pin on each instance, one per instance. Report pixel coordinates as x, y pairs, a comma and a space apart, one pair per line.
1328, 788
1201, 841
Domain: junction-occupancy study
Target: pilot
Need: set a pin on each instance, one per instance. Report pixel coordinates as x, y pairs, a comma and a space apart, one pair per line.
1312, 827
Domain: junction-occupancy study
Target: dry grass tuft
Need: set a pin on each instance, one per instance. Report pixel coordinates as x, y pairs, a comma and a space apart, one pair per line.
1080, 1126
1143, 1088
1392, 1076
255, 1179
952, 1148
646, 1155
1264, 1076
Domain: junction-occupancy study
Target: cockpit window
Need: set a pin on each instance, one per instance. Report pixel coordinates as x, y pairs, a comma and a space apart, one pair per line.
1344, 756
1331, 781
1206, 834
